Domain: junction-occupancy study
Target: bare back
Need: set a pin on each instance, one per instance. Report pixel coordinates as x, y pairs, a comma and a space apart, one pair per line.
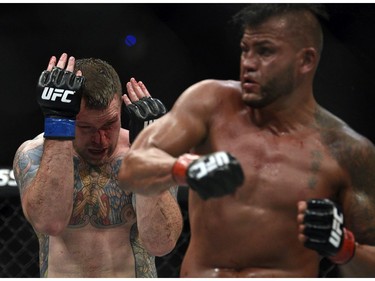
253, 233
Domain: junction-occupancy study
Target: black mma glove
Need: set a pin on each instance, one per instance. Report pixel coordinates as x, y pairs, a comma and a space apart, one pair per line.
142, 113
325, 231
59, 97
212, 175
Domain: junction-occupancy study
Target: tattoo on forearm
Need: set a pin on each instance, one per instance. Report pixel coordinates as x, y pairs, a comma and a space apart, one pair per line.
144, 263
43, 254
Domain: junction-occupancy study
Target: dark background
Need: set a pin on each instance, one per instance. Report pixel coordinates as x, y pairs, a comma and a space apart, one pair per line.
177, 45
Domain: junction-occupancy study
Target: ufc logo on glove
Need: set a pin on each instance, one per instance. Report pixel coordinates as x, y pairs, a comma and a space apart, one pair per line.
52, 94
59, 96
201, 169
336, 233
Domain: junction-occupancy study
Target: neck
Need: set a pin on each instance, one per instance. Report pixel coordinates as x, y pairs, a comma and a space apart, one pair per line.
286, 116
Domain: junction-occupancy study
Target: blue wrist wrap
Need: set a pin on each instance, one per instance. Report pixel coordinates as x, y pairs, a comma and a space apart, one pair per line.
59, 128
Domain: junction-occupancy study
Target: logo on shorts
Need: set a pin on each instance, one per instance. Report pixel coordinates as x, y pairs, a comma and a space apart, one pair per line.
53, 94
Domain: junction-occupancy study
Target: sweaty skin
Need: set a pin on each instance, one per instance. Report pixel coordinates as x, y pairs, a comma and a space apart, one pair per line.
253, 232
289, 147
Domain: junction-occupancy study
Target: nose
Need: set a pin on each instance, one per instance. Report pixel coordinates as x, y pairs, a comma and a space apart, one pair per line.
249, 62
99, 137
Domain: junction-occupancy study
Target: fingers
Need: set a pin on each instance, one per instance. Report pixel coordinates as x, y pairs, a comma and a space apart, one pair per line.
131, 92
302, 205
51, 63
302, 238
136, 90
71, 62
144, 89
63, 61
301, 211
126, 99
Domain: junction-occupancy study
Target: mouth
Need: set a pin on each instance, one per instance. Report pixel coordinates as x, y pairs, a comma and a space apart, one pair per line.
97, 151
249, 85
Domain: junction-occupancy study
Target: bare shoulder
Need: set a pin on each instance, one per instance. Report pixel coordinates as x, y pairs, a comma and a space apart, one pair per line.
208, 93
27, 160
348, 147
218, 83
213, 86
34, 143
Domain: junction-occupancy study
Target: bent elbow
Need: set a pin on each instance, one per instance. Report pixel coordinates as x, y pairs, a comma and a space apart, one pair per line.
157, 245
159, 250
51, 229
49, 225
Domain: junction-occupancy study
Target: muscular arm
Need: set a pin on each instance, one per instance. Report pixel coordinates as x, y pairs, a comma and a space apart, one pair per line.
146, 169
159, 221
356, 156
44, 174
359, 207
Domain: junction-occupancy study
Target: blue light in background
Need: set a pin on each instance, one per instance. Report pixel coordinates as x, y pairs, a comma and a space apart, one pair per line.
130, 40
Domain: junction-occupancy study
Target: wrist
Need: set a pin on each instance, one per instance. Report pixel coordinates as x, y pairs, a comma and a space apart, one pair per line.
59, 128
347, 250
180, 167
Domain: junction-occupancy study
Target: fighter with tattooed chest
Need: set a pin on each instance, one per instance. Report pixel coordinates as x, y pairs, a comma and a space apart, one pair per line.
87, 226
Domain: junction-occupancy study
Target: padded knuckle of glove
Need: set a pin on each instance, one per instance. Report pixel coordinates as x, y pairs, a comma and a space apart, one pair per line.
325, 232
139, 110
156, 107
215, 175
59, 96
142, 113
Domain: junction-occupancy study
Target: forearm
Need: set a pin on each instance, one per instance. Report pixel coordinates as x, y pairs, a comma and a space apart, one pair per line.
362, 264
147, 172
48, 201
159, 222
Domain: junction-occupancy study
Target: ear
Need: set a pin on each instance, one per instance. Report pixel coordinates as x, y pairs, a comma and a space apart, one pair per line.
308, 60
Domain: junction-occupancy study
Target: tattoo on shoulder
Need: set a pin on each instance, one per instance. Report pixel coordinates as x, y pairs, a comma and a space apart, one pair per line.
352, 152
26, 165
356, 155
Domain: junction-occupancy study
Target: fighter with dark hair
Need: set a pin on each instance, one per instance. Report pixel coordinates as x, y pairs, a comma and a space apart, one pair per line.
277, 182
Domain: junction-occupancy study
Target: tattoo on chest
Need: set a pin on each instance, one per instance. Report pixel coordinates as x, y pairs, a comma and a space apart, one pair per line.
98, 200
316, 162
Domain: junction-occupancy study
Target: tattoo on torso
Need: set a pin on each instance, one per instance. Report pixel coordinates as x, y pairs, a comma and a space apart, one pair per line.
98, 201
97, 198
316, 162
